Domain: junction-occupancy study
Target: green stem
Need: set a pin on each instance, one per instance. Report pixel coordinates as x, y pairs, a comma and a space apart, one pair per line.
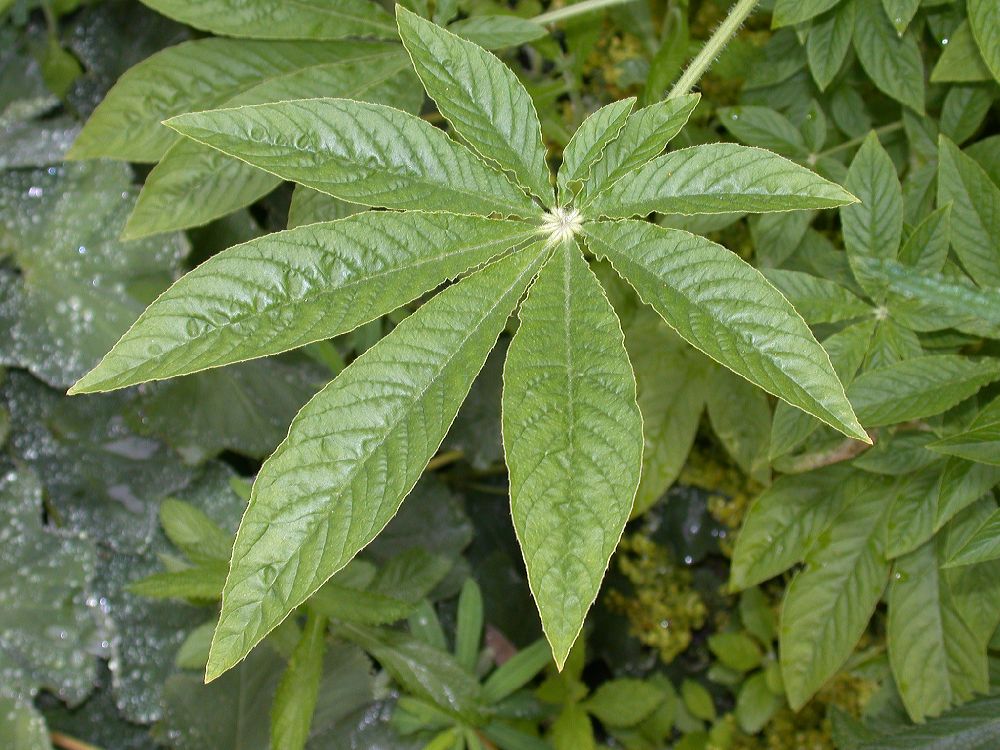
51, 22
577, 9
704, 59
892, 127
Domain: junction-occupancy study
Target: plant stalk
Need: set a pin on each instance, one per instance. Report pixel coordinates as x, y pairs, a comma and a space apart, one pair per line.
66, 742
892, 127
718, 41
577, 9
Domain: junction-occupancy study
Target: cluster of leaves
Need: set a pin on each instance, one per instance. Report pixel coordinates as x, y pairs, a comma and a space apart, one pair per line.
841, 354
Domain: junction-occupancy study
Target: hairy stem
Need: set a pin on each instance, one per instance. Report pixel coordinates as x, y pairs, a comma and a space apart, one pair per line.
577, 9
704, 59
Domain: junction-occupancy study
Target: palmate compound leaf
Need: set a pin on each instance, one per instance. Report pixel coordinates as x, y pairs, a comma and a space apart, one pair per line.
290, 288
363, 153
482, 99
573, 440
355, 451
702, 291
717, 178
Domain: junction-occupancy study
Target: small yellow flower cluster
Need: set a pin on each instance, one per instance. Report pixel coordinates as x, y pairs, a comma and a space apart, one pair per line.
664, 609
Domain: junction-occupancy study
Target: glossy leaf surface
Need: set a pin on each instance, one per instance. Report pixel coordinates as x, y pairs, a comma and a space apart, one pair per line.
290, 288
717, 178
700, 289
334, 484
362, 153
482, 99
573, 441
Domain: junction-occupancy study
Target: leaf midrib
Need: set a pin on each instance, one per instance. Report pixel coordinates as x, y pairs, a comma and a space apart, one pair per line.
313, 299
736, 333
415, 178
359, 464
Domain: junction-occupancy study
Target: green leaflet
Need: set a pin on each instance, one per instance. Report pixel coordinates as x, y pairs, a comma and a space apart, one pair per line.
334, 484
982, 546
984, 18
893, 62
975, 726
756, 703
586, 147
937, 659
671, 381
828, 604
872, 228
975, 212
965, 108
573, 441
194, 184
717, 178
191, 186
789, 12
201, 582
817, 300
900, 12
961, 60
624, 702
194, 76
310, 206
919, 387
976, 587
281, 19
517, 671
295, 698
421, 669
482, 99
962, 483
469, 625
926, 249
741, 419
828, 43
701, 289
847, 349
783, 523
497, 32
359, 152
191, 530
764, 127
916, 491
287, 289
646, 133
980, 442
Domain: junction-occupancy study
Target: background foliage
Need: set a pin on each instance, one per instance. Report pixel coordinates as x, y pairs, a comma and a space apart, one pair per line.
871, 572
